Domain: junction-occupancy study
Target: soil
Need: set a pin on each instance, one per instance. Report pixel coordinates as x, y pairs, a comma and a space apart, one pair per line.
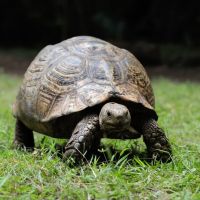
176, 74
15, 63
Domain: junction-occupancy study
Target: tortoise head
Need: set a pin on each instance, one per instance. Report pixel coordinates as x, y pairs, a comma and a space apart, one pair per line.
114, 118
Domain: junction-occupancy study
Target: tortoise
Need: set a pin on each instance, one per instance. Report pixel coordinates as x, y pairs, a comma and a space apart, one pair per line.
84, 89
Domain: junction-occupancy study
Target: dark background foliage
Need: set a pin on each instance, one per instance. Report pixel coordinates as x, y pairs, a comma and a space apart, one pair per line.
164, 33
36, 22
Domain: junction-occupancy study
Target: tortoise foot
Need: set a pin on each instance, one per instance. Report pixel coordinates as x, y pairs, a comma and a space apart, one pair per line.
72, 154
21, 146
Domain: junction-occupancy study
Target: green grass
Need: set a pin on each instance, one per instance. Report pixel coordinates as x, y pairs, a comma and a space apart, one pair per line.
42, 175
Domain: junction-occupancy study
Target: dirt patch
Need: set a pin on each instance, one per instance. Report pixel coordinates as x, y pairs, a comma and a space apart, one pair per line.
16, 63
177, 74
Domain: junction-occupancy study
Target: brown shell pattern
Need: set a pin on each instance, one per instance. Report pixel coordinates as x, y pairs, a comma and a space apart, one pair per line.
80, 72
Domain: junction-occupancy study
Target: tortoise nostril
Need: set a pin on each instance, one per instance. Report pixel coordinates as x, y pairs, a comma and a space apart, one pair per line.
108, 113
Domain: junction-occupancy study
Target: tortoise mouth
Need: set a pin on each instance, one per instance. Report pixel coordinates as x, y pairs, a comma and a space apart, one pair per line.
120, 132
114, 132
120, 127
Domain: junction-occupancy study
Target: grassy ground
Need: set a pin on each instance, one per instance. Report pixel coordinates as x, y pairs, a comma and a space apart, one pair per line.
42, 175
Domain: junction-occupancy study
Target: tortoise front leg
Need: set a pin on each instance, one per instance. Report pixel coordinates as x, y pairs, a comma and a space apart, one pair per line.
23, 136
85, 137
156, 141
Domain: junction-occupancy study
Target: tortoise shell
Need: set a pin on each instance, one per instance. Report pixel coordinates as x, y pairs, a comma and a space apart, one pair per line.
78, 73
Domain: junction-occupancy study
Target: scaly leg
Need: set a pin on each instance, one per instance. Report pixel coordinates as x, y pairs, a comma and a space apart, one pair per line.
23, 136
156, 141
85, 137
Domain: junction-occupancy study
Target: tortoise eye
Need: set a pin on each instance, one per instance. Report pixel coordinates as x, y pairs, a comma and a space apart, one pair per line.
108, 113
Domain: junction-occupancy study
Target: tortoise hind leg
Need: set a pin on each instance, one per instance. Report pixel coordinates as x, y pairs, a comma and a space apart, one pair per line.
23, 136
85, 137
156, 141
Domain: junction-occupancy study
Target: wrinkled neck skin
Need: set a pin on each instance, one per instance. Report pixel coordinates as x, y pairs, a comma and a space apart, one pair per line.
115, 120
